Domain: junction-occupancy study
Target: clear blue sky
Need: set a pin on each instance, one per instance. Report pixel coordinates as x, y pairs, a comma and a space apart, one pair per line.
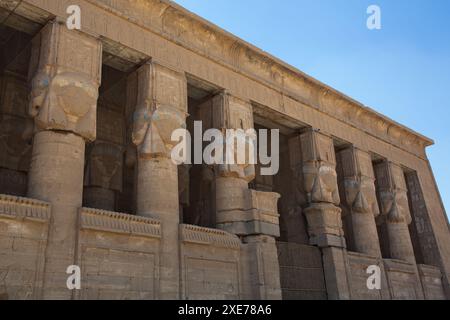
402, 70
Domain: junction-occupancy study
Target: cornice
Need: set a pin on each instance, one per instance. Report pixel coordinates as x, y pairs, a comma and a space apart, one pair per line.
184, 27
176, 24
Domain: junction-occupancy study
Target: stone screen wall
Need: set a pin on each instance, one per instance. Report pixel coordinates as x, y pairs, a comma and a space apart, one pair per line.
118, 255
23, 236
210, 263
301, 272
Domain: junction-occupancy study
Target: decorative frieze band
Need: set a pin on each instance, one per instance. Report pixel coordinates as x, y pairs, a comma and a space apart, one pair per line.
24, 208
107, 221
206, 236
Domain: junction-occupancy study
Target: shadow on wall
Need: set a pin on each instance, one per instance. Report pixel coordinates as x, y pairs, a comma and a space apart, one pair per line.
3, 294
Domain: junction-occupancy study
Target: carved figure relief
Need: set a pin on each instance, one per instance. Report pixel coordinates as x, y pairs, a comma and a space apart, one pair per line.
183, 184
319, 168
104, 166
64, 90
359, 181
152, 131
392, 193
66, 101
232, 113
161, 109
15, 143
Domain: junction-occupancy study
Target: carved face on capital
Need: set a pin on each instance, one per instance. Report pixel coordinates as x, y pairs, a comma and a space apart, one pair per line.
243, 172
152, 131
394, 205
66, 101
361, 196
320, 181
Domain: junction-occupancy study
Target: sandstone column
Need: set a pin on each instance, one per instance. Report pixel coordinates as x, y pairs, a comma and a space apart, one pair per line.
65, 71
250, 214
103, 178
161, 106
323, 213
392, 193
360, 199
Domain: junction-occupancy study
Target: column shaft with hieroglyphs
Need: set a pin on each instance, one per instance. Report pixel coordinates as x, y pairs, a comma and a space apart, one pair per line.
65, 77
360, 199
323, 213
161, 106
395, 213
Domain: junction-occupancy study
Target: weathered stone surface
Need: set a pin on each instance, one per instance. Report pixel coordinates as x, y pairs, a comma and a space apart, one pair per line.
23, 238
65, 76
431, 278
301, 272
161, 103
319, 168
16, 130
395, 213
403, 280
261, 267
358, 266
240, 210
185, 64
161, 108
356, 170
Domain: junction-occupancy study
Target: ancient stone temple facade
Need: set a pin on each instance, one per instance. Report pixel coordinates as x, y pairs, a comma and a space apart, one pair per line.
87, 180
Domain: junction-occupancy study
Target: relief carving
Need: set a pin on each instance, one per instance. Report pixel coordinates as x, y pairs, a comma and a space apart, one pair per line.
192, 33
64, 87
14, 97
161, 109
319, 168
296, 164
184, 184
104, 166
111, 124
233, 113
107, 221
16, 129
359, 181
15, 138
392, 193
361, 195
394, 206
